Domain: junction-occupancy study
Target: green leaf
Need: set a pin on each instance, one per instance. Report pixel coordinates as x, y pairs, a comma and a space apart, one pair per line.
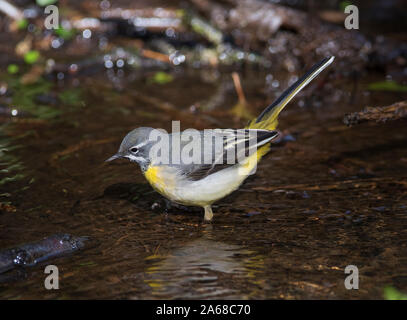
161, 77
180, 13
12, 68
24, 98
22, 24
31, 56
387, 86
344, 4
9, 179
71, 97
44, 3
65, 34
46, 112
391, 293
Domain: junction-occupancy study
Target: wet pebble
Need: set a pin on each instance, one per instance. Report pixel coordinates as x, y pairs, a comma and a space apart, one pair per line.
48, 99
289, 138
305, 195
309, 211
380, 209
156, 206
293, 195
252, 213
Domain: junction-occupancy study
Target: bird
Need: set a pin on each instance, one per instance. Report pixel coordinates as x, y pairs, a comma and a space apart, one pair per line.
211, 177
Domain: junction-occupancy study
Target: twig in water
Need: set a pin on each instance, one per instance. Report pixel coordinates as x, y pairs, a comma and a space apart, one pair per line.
395, 111
238, 87
155, 55
240, 110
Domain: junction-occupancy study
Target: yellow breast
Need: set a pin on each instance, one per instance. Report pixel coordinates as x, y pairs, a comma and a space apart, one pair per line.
154, 177
253, 160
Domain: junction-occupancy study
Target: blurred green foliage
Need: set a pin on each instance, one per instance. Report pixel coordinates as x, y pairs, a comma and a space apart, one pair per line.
161, 77
65, 34
10, 166
71, 97
22, 24
24, 98
387, 86
344, 4
44, 3
391, 293
12, 68
31, 56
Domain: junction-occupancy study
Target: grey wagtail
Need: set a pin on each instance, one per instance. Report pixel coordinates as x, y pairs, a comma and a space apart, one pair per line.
203, 183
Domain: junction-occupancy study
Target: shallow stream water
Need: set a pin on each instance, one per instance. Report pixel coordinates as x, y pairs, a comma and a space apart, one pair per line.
331, 196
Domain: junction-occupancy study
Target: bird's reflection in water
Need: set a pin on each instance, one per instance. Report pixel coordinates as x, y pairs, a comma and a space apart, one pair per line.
205, 268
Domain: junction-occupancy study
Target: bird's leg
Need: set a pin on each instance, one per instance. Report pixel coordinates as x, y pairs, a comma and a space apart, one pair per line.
208, 213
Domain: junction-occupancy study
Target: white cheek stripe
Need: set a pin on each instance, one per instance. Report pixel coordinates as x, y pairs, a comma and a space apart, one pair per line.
134, 158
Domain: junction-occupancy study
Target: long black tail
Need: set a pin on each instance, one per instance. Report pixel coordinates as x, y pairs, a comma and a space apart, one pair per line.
268, 118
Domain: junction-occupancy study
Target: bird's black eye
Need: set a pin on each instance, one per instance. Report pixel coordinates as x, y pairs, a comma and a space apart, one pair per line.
134, 150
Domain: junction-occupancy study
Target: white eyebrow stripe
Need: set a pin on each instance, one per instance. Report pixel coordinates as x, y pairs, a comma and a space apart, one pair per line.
142, 144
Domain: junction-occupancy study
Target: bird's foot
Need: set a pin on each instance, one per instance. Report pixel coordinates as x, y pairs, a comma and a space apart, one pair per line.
208, 214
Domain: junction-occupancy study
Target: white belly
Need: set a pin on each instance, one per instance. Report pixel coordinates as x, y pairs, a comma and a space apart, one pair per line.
211, 188
205, 191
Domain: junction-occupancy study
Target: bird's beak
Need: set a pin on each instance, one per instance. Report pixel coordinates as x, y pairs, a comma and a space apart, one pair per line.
114, 157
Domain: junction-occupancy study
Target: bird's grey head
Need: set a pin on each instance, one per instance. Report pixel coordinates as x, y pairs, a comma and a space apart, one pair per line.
135, 147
